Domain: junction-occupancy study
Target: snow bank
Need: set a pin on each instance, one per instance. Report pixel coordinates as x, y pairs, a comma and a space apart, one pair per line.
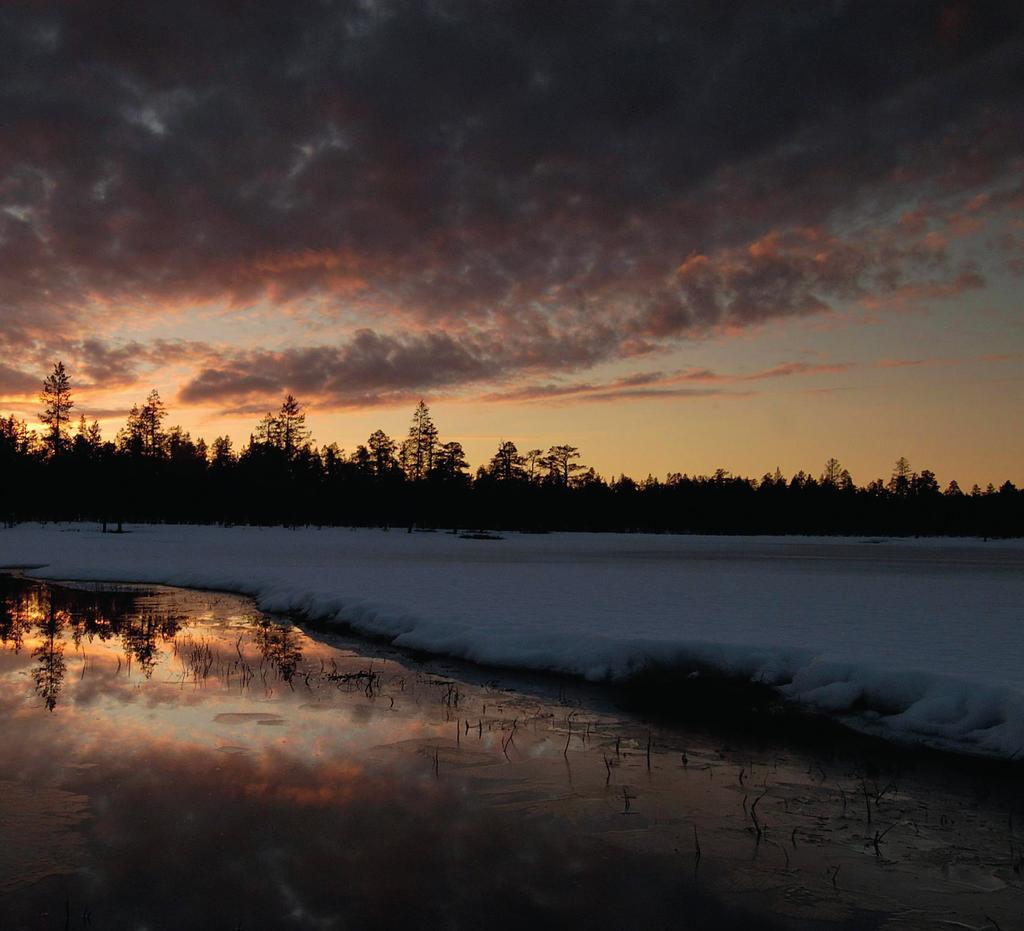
913, 639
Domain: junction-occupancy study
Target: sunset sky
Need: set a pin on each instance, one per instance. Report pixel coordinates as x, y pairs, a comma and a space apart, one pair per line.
678, 235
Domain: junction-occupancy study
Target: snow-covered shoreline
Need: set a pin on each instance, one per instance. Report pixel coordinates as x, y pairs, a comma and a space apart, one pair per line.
920, 639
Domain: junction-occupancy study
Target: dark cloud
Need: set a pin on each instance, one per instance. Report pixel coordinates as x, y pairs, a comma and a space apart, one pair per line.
583, 181
101, 413
613, 392
988, 358
110, 365
369, 365
662, 384
15, 381
374, 369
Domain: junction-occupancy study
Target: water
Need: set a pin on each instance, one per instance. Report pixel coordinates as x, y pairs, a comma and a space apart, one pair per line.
176, 759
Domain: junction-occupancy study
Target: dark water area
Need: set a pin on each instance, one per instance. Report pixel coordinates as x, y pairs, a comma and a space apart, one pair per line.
174, 759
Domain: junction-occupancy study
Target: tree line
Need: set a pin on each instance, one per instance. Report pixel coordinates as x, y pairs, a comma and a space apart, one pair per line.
157, 473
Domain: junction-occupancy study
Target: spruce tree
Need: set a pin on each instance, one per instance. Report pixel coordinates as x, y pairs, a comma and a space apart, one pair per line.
292, 434
152, 417
57, 404
420, 447
381, 449
506, 464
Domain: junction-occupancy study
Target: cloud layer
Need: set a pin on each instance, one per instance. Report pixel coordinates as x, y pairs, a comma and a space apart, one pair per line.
476, 191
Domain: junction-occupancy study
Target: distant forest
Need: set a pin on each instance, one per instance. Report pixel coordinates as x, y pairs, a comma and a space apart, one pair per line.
150, 472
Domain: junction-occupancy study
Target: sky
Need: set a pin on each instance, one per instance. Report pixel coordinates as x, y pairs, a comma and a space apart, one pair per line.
680, 236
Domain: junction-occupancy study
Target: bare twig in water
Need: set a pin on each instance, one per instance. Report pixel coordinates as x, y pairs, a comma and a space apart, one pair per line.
879, 795
505, 743
867, 798
878, 838
753, 815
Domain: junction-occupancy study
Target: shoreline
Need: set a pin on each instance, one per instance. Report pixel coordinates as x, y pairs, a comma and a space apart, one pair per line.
728, 706
504, 606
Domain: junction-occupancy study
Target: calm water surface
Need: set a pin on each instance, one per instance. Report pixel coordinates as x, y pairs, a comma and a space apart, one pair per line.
175, 759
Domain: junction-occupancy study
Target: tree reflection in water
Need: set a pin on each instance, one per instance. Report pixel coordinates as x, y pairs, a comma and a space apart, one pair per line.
13, 624
59, 615
50, 667
278, 645
56, 614
139, 635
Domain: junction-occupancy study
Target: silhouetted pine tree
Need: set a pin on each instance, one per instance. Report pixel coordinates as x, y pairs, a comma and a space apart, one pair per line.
56, 413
